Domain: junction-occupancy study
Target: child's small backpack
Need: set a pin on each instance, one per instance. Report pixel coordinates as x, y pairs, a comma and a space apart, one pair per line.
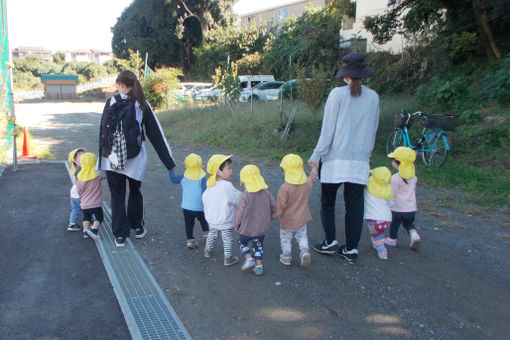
120, 132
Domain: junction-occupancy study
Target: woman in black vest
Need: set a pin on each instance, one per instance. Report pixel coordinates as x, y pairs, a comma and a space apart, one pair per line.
123, 220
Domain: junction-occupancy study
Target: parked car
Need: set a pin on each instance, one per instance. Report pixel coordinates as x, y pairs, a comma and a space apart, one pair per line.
247, 82
210, 93
193, 88
266, 91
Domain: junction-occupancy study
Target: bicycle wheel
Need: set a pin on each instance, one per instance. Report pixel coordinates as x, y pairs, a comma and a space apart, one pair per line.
395, 139
435, 149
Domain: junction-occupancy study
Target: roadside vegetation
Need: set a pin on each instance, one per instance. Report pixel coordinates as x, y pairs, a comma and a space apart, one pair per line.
481, 171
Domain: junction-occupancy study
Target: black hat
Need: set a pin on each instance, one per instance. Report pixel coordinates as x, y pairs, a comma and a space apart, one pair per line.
354, 66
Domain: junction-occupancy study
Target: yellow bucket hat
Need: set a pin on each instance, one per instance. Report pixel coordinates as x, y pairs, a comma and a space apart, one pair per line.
293, 166
193, 164
253, 181
88, 163
406, 156
213, 165
379, 183
70, 158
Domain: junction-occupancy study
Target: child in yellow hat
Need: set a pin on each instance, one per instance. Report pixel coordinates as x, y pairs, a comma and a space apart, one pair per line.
88, 184
293, 210
378, 202
193, 184
74, 161
403, 186
220, 199
252, 217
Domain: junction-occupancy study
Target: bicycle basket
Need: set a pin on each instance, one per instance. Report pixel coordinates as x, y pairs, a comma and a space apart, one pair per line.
444, 122
399, 121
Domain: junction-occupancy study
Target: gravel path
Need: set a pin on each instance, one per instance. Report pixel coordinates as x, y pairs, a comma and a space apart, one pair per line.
456, 286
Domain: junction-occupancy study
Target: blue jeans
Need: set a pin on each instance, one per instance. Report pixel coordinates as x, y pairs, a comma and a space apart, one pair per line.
75, 210
257, 248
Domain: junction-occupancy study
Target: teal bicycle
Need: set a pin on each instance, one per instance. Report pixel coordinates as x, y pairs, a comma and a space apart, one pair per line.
433, 144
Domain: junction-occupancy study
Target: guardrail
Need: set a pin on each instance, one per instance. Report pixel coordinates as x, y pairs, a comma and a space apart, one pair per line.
95, 84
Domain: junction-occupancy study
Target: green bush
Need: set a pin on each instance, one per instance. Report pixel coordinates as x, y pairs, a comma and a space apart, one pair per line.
159, 86
250, 64
234, 42
496, 86
440, 95
311, 40
25, 81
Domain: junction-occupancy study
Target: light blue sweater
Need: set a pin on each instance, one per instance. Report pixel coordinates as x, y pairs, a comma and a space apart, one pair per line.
192, 191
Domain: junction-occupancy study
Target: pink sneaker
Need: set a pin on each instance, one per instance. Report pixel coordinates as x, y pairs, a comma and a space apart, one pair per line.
415, 241
390, 242
383, 255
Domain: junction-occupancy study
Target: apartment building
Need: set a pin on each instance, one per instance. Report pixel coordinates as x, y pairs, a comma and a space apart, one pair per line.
98, 56
274, 16
21, 52
353, 32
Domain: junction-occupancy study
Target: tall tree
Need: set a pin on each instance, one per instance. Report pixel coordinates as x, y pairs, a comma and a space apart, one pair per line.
167, 29
489, 19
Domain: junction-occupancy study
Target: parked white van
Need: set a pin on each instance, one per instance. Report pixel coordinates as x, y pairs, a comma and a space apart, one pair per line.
247, 82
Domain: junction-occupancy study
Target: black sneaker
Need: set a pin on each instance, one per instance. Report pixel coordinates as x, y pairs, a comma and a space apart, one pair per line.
85, 235
326, 248
350, 255
120, 242
73, 227
140, 232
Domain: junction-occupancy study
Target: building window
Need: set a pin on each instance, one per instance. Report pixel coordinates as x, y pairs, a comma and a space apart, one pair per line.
283, 13
250, 19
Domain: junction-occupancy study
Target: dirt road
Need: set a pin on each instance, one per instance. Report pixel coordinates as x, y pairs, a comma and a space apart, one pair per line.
456, 286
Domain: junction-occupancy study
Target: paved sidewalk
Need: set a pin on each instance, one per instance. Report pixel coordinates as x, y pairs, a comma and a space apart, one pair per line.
52, 284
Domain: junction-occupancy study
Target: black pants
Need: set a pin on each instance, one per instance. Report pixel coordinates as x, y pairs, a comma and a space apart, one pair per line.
122, 222
92, 214
354, 208
189, 221
407, 220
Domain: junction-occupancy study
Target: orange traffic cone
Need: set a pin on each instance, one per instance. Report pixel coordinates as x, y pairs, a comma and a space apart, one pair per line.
25, 153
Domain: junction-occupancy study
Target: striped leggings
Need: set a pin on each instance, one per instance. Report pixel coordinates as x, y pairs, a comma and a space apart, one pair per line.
227, 238
377, 229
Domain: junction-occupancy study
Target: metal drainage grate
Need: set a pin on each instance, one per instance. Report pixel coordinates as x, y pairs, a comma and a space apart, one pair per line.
148, 313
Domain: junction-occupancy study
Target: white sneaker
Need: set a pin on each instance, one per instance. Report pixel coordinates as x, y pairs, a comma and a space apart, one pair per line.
285, 259
305, 258
248, 263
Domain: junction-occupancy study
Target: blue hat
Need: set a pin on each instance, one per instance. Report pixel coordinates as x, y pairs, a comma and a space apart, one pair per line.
355, 66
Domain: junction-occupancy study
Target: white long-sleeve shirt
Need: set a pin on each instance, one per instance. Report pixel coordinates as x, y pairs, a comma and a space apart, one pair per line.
219, 204
347, 136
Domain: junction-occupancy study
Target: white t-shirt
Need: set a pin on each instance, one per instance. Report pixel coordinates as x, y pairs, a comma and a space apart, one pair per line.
377, 208
219, 204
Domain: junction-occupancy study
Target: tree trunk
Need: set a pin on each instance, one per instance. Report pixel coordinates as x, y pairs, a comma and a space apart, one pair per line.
486, 35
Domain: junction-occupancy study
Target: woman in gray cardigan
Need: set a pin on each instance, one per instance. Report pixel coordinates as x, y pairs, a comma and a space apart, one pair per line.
351, 117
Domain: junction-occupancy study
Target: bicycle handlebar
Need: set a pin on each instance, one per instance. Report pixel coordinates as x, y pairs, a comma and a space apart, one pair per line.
403, 113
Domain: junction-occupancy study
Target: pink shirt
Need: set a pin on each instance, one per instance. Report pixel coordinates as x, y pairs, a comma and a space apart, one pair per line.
404, 195
91, 195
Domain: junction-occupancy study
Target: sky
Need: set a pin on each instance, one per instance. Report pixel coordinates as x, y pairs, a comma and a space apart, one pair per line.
79, 24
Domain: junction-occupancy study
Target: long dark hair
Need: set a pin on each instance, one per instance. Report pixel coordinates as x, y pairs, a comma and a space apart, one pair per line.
355, 87
129, 79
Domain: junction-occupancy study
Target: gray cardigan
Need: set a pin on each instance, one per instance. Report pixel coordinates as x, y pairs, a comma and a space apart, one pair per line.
348, 133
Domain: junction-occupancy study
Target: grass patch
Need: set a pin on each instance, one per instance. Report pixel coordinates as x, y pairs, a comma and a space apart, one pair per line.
258, 136
41, 152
